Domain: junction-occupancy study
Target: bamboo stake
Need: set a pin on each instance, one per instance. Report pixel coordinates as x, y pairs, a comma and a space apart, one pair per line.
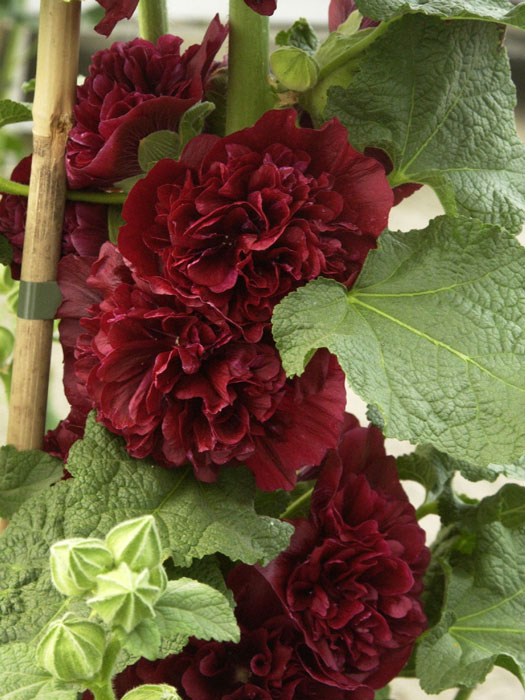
56, 75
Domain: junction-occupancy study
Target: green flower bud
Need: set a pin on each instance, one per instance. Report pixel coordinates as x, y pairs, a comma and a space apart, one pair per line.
152, 692
159, 578
136, 542
294, 68
72, 649
124, 598
75, 563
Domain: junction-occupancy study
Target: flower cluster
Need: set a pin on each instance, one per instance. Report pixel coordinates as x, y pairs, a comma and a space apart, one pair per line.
335, 616
133, 89
175, 352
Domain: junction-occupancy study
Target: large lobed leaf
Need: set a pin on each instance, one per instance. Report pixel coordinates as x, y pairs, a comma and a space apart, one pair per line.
194, 519
24, 474
21, 680
432, 333
482, 622
438, 98
501, 11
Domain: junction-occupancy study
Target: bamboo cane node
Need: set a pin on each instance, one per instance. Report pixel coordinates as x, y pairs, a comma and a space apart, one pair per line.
38, 300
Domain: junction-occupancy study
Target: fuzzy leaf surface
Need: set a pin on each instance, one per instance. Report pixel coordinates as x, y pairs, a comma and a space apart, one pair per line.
14, 112
194, 519
438, 98
501, 11
22, 680
432, 333
191, 608
482, 622
23, 474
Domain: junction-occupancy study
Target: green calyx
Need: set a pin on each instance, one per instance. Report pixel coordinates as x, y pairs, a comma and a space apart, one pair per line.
294, 68
72, 649
75, 563
124, 598
136, 543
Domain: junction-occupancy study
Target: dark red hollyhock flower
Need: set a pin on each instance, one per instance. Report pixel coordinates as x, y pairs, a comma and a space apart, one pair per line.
179, 384
262, 7
352, 575
115, 11
241, 221
85, 225
335, 616
133, 89
340, 10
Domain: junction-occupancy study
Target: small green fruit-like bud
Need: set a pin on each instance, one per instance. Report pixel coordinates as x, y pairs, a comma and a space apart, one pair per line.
158, 578
76, 562
136, 542
152, 692
124, 598
294, 68
72, 649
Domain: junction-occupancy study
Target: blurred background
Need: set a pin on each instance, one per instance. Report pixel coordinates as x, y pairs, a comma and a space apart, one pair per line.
18, 27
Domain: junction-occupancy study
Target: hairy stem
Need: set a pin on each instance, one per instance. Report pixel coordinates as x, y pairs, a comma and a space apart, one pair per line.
295, 507
249, 92
464, 693
153, 19
427, 509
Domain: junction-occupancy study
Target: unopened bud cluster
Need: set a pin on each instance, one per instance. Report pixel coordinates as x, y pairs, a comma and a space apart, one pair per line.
121, 578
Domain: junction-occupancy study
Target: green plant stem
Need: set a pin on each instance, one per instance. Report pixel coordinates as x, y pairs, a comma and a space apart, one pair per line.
153, 19
103, 692
295, 507
430, 508
464, 693
249, 92
10, 187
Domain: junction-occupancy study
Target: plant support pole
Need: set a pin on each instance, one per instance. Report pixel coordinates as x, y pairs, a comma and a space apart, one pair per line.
56, 75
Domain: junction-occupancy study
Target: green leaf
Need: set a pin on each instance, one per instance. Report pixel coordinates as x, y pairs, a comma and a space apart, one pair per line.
432, 333
20, 679
205, 570
115, 221
301, 35
438, 98
192, 121
24, 474
158, 145
194, 519
190, 608
14, 112
434, 470
482, 623
6, 251
144, 640
500, 11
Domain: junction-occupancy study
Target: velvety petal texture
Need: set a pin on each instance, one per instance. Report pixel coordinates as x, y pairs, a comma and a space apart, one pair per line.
241, 221
335, 616
115, 11
262, 7
133, 89
180, 383
85, 224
